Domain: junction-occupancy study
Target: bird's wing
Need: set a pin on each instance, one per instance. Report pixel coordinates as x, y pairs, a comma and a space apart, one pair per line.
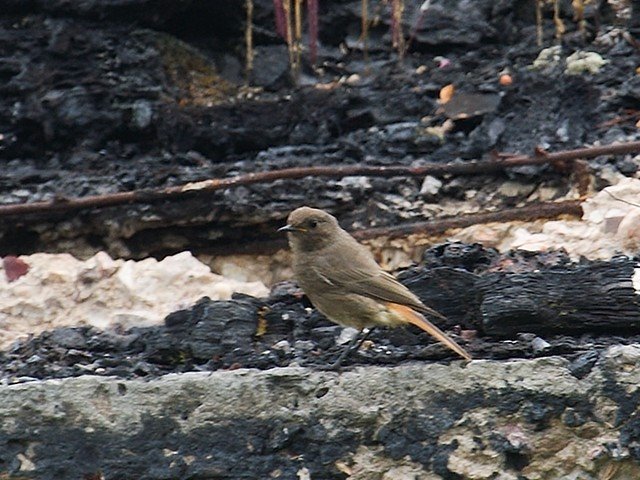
362, 275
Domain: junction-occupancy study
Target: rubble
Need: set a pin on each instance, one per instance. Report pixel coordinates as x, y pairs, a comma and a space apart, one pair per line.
60, 290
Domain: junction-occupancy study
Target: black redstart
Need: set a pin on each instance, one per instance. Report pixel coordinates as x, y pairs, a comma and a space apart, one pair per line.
345, 283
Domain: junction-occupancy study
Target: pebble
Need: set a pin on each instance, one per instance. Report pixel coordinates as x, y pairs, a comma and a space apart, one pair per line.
346, 335
540, 345
430, 186
282, 345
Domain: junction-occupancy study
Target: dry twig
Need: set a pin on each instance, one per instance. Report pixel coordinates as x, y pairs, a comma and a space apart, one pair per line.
207, 187
434, 227
546, 210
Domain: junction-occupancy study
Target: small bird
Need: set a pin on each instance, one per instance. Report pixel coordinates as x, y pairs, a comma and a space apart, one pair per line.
344, 282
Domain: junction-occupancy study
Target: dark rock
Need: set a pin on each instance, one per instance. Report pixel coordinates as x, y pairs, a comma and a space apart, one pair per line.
468, 105
582, 366
68, 338
271, 67
471, 257
453, 22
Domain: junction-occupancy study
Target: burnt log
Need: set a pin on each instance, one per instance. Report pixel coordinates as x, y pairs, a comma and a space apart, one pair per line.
451, 291
598, 297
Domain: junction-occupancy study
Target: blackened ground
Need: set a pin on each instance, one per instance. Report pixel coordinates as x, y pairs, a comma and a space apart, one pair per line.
284, 330
117, 96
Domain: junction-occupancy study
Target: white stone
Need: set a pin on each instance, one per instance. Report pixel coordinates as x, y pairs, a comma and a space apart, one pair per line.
584, 62
609, 226
430, 185
60, 290
346, 335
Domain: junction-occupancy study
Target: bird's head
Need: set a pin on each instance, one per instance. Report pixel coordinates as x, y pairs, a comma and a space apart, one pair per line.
310, 229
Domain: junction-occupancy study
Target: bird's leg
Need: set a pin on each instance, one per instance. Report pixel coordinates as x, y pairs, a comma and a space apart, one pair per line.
355, 343
364, 334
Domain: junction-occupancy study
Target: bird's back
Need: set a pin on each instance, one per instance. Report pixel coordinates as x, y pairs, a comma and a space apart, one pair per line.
348, 267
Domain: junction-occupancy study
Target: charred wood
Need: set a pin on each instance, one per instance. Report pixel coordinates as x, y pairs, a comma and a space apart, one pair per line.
586, 298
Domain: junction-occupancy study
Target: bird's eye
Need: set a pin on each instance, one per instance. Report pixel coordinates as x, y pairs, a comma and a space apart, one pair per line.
313, 223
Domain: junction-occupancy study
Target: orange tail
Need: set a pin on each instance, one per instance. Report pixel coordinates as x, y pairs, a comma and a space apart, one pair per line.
419, 321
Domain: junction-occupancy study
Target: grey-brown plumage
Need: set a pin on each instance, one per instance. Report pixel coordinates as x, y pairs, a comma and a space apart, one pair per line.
345, 283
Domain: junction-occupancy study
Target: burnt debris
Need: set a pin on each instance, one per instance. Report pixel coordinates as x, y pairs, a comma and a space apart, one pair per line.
516, 305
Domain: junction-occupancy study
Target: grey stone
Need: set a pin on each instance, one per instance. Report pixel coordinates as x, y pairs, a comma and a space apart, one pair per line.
521, 419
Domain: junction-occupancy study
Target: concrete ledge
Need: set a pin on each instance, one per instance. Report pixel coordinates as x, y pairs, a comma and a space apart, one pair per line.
525, 419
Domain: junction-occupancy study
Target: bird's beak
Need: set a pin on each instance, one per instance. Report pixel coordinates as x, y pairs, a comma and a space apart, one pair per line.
290, 228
